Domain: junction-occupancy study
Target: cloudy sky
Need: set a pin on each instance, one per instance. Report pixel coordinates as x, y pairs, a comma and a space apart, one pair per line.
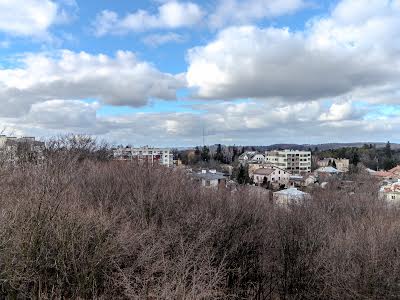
160, 72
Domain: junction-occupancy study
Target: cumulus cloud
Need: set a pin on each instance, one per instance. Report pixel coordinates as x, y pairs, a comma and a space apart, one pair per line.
170, 15
244, 12
119, 80
33, 18
338, 112
349, 50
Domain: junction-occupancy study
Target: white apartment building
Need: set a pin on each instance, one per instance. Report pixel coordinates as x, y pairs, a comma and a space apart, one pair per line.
163, 156
293, 161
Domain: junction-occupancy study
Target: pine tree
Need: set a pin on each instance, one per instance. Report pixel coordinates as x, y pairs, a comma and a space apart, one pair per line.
388, 150
219, 156
205, 154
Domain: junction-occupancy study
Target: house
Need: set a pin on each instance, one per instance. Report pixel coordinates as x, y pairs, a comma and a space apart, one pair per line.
289, 197
293, 161
390, 193
342, 164
251, 156
211, 178
301, 181
257, 158
271, 176
252, 166
327, 171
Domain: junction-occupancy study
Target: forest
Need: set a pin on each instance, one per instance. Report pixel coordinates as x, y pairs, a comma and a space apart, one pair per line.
79, 226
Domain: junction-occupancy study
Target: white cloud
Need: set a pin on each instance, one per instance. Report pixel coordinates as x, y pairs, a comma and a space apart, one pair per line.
337, 112
244, 12
155, 40
119, 80
170, 15
349, 51
27, 17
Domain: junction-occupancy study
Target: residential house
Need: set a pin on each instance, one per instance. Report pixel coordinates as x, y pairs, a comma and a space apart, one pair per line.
252, 166
302, 181
390, 193
271, 176
211, 178
251, 157
327, 171
342, 164
289, 197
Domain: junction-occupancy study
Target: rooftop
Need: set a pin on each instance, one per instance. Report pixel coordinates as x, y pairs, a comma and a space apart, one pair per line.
291, 192
264, 171
329, 169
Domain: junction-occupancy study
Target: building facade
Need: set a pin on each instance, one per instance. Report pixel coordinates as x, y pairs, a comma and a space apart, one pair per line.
291, 196
390, 193
293, 161
211, 178
342, 164
162, 156
275, 177
14, 149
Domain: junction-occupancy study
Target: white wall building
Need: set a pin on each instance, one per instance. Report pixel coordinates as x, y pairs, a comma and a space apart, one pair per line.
293, 161
291, 196
273, 176
163, 156
391, 193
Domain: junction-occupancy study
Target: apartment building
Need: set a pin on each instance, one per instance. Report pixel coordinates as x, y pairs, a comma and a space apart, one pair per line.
13, 149
163, 156
293, 161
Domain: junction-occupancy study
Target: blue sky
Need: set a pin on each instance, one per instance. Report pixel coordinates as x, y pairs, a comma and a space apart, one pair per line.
159, 71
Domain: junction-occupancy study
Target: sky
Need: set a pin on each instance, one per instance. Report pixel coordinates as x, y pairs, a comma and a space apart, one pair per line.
162, 72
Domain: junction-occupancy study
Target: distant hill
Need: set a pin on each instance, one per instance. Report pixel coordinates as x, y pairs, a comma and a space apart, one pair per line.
327, 146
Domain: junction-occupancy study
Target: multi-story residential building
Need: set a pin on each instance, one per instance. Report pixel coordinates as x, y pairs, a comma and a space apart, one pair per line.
293, 161
13, 149
162, 156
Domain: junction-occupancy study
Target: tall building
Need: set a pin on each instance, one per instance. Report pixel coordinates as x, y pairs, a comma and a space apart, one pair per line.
13, 149
163, 156
293, 161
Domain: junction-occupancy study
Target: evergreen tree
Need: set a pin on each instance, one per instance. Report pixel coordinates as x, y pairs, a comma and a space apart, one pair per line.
219, 156
243, 175
235, 153
355, 158
388, 150
205, 154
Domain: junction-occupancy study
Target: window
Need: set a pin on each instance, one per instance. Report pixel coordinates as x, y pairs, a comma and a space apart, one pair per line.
393, 197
